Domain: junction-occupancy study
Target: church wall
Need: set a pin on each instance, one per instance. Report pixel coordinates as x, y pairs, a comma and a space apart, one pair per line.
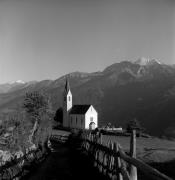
77, 121
91, 116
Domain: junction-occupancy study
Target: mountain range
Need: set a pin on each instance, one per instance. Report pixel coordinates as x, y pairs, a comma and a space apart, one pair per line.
144, 89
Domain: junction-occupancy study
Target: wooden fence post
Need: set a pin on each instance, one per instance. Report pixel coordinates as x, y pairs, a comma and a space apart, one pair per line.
133, 169
118, 163
110, 160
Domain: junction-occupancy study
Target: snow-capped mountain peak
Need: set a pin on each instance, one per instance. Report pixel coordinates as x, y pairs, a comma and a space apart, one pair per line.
147, 61
17, 82
20, 81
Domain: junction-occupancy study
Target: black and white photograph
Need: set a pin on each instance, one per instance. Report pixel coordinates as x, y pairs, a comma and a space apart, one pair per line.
87, 89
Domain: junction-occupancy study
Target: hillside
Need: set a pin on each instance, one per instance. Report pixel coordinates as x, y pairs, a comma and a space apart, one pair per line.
144, 89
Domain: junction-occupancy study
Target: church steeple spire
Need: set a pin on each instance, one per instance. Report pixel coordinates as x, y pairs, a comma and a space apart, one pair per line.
67, 103
67, 86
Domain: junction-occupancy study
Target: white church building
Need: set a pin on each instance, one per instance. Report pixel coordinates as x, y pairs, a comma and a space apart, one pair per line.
78, 116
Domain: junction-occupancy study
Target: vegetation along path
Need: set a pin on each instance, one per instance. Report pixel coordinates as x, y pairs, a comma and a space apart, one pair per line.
65, 163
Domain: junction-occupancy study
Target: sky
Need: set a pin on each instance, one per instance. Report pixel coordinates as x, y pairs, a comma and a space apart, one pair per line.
45, 39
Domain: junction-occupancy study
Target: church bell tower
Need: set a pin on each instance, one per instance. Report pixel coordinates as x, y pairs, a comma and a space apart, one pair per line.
67, 103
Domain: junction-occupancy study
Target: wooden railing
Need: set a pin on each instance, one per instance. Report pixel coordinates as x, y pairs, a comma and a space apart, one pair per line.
16, 168
113, 162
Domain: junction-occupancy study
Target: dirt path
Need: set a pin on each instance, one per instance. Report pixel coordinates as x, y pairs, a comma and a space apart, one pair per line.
64, 164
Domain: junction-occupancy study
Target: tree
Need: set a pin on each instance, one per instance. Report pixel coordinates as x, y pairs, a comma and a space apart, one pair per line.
134, 124
59, 116
35, 104
39, 111
108, 125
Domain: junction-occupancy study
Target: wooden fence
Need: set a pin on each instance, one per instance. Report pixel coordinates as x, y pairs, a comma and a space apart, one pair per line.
17, 168
113, 162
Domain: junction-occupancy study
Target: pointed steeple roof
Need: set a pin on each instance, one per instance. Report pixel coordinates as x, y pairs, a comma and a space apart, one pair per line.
67, 86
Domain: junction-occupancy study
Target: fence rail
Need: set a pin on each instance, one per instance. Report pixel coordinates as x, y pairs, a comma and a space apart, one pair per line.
113, 162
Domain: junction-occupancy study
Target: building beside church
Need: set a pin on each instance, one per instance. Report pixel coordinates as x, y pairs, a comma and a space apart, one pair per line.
78, 116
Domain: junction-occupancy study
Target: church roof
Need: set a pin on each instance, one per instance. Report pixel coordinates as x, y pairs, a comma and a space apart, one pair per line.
80, 109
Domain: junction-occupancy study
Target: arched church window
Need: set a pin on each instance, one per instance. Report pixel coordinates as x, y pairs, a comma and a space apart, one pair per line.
69, 98
91, 119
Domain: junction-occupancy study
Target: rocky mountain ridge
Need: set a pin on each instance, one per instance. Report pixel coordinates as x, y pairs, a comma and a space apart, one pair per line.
125, 90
